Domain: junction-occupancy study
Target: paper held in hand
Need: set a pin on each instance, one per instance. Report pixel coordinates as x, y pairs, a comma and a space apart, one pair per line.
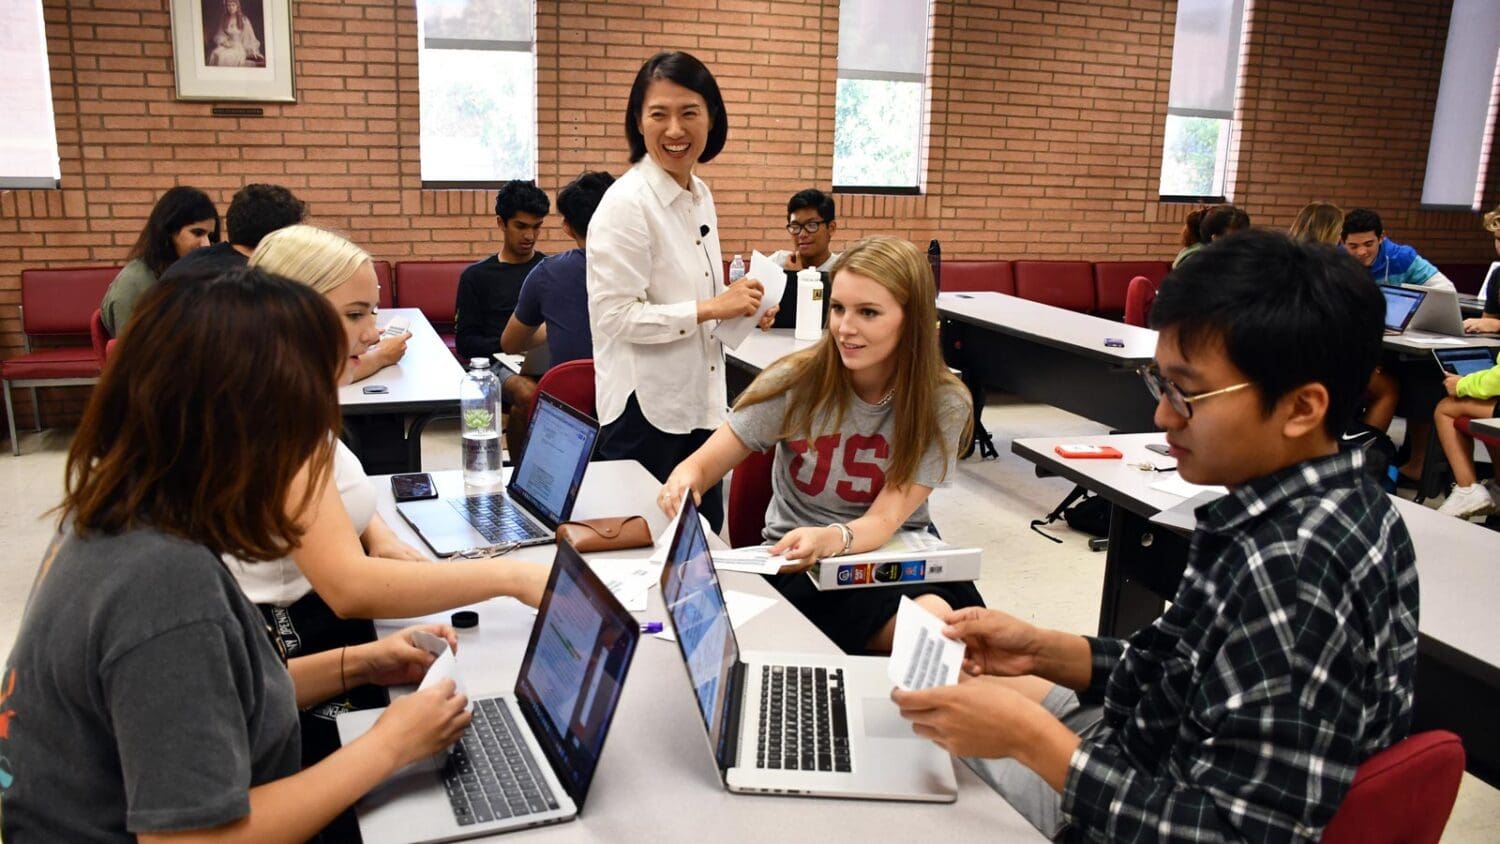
732, 332
921, 656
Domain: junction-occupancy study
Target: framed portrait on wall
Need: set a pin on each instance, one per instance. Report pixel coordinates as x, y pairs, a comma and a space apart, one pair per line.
233, 50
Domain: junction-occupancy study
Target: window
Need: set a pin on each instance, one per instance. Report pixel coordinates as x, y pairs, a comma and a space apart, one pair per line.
1465, 117
28, 147
1200, 103
476, 68
877, 129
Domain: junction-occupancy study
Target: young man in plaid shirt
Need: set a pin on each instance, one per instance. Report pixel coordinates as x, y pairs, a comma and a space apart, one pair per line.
1287, 655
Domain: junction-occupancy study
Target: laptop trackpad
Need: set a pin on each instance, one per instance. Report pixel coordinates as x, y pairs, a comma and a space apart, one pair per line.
883, 720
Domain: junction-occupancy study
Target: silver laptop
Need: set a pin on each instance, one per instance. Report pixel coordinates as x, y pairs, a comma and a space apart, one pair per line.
1439, 312
791, 724
1401, 306
528, 759
540, 496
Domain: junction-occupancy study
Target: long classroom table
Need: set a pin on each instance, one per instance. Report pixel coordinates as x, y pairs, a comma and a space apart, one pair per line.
418, 388
657, 781
1458, 671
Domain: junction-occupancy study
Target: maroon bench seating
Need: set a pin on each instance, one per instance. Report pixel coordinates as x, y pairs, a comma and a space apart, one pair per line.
979, 276
387, 285
1112, 281
1466, 277
57, 309
1062, 284
432, 288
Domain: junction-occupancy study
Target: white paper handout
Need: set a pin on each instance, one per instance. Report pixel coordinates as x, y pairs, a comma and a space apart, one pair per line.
742, 607
445, 667
921, 656
755, 559
1175, 485
629, 580
664, 539
1433, 341
732, 332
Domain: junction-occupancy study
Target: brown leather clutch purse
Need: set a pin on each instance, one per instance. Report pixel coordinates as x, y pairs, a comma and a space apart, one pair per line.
616, 533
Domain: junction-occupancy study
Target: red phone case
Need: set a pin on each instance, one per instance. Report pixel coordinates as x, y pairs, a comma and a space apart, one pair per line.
1096, 452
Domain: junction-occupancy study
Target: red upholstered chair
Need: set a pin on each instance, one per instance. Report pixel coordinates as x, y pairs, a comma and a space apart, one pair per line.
387, 284
57, 308
1463, 426
749, 496
1112, 281
1062, 284
572, 383
1403, 794
970, 276
99, 336
1138, 298
432, 288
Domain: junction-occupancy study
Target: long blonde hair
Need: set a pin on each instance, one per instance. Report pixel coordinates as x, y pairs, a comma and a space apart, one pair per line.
817, 384
316, 257
1318, 222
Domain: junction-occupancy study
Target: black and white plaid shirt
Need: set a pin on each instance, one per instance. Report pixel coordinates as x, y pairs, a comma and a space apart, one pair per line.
1286, 658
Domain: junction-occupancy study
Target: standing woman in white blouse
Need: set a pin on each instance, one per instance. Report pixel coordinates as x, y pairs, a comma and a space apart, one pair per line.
655, 278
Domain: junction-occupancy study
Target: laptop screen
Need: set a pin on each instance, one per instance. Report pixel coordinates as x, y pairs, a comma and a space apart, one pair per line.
581, 646
1465, 361
690, 589
553, 462
1400, 305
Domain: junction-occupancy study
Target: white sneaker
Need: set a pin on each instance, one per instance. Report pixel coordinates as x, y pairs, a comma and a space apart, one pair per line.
1468, 501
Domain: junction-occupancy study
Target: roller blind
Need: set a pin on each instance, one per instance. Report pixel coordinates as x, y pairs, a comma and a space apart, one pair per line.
883, 39
1206, 58
1465, 117
28, 146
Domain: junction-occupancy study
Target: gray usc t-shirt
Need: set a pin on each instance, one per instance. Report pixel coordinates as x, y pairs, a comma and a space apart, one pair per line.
836, 476
143, 695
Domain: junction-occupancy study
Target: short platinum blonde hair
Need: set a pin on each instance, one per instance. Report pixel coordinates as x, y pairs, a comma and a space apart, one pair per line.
315, 257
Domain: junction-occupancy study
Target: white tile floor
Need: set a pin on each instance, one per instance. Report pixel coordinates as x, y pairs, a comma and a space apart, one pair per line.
989, 505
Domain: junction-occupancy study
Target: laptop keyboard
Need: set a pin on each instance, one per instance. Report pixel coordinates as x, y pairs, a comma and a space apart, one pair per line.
804, 725
491, 774
497, 518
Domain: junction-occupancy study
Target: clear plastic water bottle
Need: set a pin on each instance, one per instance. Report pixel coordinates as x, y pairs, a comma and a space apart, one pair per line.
736, 269
479, 419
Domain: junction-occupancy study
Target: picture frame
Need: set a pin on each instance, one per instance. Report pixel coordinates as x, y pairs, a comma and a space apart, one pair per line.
233, 50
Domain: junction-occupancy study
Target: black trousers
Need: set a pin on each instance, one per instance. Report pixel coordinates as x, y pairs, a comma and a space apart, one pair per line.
631, 437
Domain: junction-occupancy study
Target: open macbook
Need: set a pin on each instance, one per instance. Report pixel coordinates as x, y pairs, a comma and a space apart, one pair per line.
540, 496
528, 758
799, 724
1439, 312
1401, 305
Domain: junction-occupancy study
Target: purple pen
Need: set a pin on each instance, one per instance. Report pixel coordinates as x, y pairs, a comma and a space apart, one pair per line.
651, 627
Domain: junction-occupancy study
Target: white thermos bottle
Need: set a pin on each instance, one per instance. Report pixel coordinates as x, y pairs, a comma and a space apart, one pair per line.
809, 305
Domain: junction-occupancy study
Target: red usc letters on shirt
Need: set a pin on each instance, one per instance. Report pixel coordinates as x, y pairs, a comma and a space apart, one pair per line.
862, 478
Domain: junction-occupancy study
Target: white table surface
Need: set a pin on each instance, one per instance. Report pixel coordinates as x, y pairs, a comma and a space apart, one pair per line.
426, 377
1051, 325
763, 348
1456, 559
1415, 342
657, 781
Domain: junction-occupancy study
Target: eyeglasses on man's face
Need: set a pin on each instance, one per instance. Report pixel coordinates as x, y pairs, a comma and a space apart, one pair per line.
811, 227
1180, 402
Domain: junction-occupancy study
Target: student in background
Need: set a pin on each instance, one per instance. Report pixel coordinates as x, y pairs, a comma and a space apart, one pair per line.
1471, 396
1489, 322
810, 221
1287, 656
865, 425
255, 211
1207, 225
182, 220
143, 699
1318, 222
553, 307
488, 289
655, 277
1387, 261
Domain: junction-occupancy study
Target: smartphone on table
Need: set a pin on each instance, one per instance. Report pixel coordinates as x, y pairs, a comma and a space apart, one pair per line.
417, 486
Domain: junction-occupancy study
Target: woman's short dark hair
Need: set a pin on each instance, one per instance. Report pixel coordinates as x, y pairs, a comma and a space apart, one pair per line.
1221, 220
176, 208
685, 70
1287, 314
203, 418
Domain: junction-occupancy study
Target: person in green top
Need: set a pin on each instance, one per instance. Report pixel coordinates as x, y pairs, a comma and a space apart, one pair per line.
1471, 396
183, 219
1206, 225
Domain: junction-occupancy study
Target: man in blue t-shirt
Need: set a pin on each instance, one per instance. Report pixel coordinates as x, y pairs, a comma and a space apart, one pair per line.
1388, 262
554, 302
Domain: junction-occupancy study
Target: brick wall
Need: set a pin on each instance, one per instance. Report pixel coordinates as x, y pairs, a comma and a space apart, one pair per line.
1045, 139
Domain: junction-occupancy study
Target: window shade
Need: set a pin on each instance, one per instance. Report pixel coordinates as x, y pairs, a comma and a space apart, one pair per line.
1465, 117
883, 39
1206, 58
506, 22
28, 146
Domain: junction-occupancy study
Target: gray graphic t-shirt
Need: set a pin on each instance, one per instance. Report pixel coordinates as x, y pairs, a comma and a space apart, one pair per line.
837, 475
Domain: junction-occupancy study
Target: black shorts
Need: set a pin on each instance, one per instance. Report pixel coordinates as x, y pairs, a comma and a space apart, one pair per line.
851, 616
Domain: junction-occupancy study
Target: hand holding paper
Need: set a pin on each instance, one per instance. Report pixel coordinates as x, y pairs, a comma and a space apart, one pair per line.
921, 656
445, 667
732, 332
